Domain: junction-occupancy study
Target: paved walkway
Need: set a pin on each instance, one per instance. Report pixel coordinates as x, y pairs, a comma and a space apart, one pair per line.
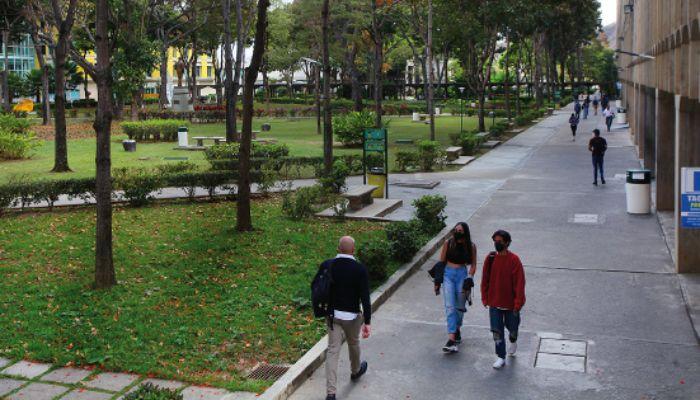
37, 381
604, 319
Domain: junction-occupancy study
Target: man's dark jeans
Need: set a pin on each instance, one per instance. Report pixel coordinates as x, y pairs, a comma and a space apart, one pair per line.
501, 319
598, 166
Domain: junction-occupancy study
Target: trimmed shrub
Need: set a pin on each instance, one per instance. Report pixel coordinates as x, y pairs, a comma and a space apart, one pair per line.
137, 184
334, 182
302, 203
11, 124
152, 392
430, 154
153, 129
350, 127
229, 151
176, 168
16, 146
406, 160
429, 210
374, 254
469, 143
404, 239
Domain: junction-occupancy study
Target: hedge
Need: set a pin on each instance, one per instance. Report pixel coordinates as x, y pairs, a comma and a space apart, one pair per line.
155, 129
23, 194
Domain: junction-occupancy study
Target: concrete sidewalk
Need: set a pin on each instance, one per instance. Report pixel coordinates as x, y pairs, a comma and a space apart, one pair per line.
595, 275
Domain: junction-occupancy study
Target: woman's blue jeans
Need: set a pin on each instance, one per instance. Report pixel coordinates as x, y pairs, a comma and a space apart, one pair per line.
455, 302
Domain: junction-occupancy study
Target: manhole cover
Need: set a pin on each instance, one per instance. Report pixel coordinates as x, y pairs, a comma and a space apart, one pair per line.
565, 347
561, 362
268, 372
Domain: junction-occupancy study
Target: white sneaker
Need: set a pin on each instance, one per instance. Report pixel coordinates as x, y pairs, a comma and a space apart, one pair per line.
500, 362
512, 347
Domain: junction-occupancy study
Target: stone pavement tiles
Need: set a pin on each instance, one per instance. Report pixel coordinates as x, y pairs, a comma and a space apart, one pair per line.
24, 380
604, 316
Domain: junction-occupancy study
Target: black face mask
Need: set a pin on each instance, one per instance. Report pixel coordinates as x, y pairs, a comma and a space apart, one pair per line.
499, 246
460, 235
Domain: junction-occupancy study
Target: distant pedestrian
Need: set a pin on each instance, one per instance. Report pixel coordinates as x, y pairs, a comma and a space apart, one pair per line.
596, 102
349, 286
577, 108
458, 253
604, 101
573, 123
586, 106
609, 115
597, 146
503, 292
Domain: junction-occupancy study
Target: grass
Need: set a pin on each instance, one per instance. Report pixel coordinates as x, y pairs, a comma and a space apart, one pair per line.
299, 134
196, 300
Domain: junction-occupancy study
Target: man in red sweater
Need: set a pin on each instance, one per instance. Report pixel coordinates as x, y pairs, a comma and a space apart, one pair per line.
503, 292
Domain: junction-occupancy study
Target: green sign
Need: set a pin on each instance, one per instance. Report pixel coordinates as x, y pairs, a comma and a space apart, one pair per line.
375, 139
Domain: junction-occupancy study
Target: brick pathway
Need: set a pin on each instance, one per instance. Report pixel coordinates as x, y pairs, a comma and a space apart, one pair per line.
24, 380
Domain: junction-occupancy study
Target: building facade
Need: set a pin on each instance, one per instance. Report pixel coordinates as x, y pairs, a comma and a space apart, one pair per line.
660, 86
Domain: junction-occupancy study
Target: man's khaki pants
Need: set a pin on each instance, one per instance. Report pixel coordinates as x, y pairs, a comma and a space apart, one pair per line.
350, 330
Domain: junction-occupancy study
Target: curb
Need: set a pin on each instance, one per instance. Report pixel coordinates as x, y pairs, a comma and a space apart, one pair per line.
309, 362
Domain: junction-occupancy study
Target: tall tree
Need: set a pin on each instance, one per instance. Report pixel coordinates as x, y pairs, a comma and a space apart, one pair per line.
11, 27
37, 29
244, 221
327, 126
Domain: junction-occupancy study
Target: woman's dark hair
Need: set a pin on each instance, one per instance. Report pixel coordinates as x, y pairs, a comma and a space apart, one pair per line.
467, 245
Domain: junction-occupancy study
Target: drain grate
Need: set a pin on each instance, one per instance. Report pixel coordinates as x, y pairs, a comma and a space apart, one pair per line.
268, 372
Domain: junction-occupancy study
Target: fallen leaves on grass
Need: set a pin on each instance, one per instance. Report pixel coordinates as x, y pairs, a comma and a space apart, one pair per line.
83, 130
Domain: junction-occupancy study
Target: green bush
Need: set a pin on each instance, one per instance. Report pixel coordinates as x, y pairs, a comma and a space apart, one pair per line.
176, 168
16, 146
153, 129
374, 254
406, 160
499, 128
349, 128
374, 160
404, 239
11, 124
430, 154
137, 184
334, 182
302, 203
430, 211
229, 151
469, 143
152, 392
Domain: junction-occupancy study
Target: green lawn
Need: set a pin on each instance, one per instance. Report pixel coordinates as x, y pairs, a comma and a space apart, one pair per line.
299, 134
196, 301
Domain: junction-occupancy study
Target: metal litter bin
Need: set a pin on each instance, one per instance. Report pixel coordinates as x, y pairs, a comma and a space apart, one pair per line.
621, 116
129, 145
638, 191
182, 136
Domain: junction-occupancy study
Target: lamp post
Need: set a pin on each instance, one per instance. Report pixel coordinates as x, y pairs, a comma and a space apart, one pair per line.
461, 109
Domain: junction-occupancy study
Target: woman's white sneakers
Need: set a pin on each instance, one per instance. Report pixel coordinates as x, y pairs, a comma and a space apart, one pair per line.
512, 347
500, 362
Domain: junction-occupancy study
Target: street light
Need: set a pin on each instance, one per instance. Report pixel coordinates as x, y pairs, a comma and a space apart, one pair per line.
461, 109
631, 53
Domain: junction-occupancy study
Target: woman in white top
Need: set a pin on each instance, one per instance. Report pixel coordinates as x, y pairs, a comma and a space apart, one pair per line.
609, 115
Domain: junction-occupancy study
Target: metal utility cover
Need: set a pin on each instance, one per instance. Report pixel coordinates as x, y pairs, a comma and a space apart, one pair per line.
565, 347
561, 362
585, 219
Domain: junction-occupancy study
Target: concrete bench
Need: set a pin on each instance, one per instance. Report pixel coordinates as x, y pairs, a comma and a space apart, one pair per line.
217, 140
483, 135
359, 196
453, 153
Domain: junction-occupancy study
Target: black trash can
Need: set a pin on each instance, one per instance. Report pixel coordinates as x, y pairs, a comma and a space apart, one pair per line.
266, 127
129, 145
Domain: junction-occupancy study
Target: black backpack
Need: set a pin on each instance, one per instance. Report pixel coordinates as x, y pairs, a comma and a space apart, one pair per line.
321, 291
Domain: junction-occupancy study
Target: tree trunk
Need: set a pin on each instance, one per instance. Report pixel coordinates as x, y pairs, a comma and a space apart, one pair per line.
244, 222
231, 134
506, 84
6, 72
317, 97
135, 105
517, 81
61, 139
193, 78
378, 65
327, 125
86, 90
355, 80
537, 78
163, 96
240, 46
45, 102
429, 56
482, 123
217, 76
104, 263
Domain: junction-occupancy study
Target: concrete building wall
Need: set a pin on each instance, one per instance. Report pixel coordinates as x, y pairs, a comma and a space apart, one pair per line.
660, 93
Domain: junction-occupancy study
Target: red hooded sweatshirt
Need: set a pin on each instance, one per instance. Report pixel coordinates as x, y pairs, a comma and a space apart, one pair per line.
503, 282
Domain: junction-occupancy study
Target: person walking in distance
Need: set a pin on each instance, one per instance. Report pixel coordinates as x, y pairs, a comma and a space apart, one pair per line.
457, 254
577, 108
586, 106
595, 104
349, 287
609, 116
503, 292
573, 123
597, 146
